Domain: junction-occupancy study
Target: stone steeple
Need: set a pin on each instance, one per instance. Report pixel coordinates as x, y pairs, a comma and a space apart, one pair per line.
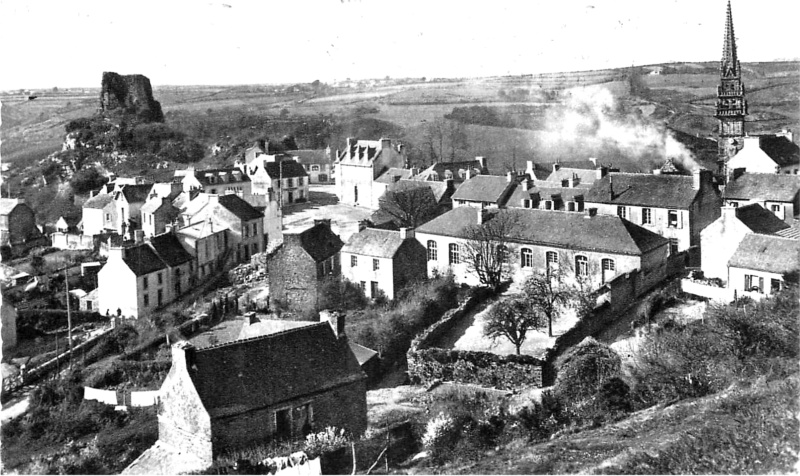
731, 105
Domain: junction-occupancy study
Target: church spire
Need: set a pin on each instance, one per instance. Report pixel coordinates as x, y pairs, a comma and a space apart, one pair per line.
729, 66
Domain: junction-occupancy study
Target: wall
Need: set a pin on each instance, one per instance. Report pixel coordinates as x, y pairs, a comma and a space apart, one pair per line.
67, 241
93, 221
293, 275
348, 177
410, 264
718, 242
659, 218
117, 288
736, 281
363, 271
8, 326
705, 210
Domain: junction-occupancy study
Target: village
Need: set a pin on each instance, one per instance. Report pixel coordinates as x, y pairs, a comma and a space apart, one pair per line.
309, 299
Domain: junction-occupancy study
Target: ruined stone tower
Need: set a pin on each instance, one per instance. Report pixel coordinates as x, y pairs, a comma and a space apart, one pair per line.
731, 105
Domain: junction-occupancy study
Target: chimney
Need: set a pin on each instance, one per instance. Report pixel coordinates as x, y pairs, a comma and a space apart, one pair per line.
510, 176
406, 233
138, 236
336, 321
526, 184
449, 184
601, 172
91, 193
593, 161
183, 356
610, 188
386, 143
322, 221
168, 228
483, 214
116, 252
469, 173
590, 212
728, 213
699, 176
734, 174
482, 161
556, 166
351, 142
213, 198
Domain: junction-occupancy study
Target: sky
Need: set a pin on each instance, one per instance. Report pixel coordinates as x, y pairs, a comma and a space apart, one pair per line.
69, 43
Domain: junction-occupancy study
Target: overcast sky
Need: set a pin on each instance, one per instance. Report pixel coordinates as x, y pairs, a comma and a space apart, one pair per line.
71, 42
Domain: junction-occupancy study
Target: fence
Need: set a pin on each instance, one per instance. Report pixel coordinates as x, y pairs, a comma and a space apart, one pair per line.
69, 241
427, 363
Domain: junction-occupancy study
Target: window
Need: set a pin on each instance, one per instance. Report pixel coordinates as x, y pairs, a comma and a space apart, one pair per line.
375, 264
455, 255
581, 266
255, 248
362, 285
160, 278
315, 168
373, 289
622, 212
160, 297
609, 267
502, 253
753, 283
145, 283
647, 216
776, 209
206, 246
673, 246
146, 300
734, 204
433, 253
527, 258
551, 258
300, 181
672, 218
290, 182
526, 203
246, 230
774, 286
353, 261
108, 217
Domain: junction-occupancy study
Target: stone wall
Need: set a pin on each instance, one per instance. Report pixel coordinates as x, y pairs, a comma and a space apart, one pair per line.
292, 276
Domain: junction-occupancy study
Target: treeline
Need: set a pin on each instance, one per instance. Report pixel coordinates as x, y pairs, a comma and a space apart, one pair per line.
517, 116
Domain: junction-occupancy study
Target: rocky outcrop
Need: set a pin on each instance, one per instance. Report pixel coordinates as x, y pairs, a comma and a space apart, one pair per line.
130, 94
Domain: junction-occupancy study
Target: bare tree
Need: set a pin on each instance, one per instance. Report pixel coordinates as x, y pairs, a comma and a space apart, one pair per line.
410, 207
546, 295
456, 138
486, 247
433, 139
511, 319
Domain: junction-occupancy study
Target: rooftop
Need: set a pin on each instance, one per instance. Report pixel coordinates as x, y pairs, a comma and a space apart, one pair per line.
243, 210
759, 220
773, 187
768, 253
658, 191
374, 242
486, 188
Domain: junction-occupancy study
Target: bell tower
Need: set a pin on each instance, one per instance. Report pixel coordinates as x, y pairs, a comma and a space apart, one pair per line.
731, 105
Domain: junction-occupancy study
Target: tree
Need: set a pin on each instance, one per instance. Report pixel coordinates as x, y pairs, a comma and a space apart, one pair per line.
485, 248
511, 319
546, 295
409, 208
433, 139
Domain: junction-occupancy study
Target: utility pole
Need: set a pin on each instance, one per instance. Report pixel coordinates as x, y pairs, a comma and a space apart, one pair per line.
69, 316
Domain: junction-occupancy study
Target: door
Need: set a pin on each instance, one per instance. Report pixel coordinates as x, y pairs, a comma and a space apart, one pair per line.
355, 194
291, 197
283, 424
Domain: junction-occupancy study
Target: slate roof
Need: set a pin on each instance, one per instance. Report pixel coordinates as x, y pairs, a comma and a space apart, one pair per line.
363, 354
391, 173
458, 169
201, 229
584, 176
780, 149
7, 205
98, 201
154, 204
243, 210
310, 156
318, 241
645, 190
485, 188
224, 175
169, 249
769, 253
290, 169
141, 259
440, 190
759, 220
772, 187
792, 232
136, 193
290, 364
545, 193
374, 243
269, 326
553, 228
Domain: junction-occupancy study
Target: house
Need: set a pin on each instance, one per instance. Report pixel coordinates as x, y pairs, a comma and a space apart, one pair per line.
486, 191
90, 302
767, 154
209, 244
279, 178
18, 228
224, 181
128, 201
297, 269
572, 177
383, 261
8, 327
99, 214
138, 279
720, 239
247, 392
676, 207
157, 214
779, 194
546, 195
360, 164
318, 163
591, 247
245, 223
412, 202
68, 224
457, 171
760, 263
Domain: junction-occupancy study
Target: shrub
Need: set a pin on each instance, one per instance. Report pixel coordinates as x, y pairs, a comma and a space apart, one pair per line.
441, 435
584, 369
326, 440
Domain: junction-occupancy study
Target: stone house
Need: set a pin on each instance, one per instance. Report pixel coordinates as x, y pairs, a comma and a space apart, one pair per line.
486, 191
128, 202
592, 247
224, 181
18, 228
767, 154
676, 207
99, 214
719, 240
279, 178
245, 223
298, 268
209, 244
249, 392
318, 163
760, 263
458, 172
157, 214
383, 261
359, 164
68, 224
780, 194
545, 195
89, 302
137, 280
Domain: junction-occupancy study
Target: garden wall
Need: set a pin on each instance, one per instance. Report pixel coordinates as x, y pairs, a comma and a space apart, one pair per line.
427, 363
